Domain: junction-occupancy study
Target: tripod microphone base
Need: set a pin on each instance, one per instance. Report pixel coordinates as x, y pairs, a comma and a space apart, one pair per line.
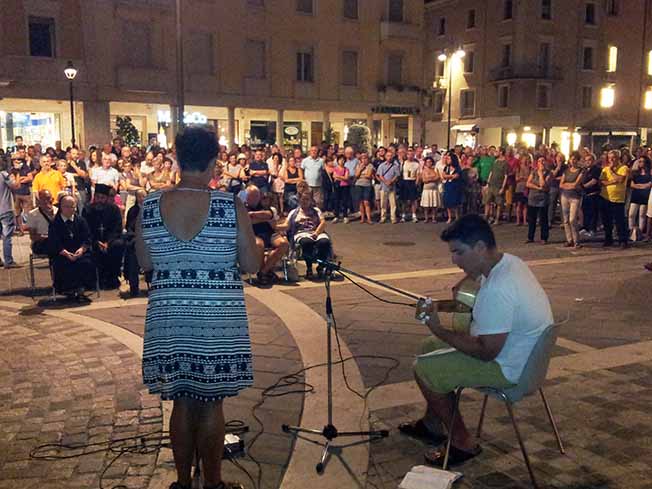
330, 432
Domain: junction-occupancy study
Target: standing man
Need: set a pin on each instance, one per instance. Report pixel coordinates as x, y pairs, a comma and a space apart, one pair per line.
38, 222
78, 168
351, 164
259, 171
496, 185
591, 198
511, 312
388, 173
24, 173
614, 192
49, 179
312, 167
8, 183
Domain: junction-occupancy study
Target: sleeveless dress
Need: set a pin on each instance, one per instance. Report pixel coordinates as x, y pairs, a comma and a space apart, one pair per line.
196, 330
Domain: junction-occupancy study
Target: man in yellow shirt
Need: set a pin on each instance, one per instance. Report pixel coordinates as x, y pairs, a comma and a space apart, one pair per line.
48, 179
614, 191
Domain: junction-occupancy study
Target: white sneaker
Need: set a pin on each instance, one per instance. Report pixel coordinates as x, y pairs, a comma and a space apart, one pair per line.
346, 220
335, 220
415, 218
403, 219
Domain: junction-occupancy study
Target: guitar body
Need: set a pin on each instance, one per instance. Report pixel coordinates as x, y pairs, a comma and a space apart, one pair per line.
464, 293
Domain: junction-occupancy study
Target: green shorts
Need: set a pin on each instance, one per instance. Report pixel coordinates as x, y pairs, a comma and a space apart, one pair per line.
492, 194
446, 372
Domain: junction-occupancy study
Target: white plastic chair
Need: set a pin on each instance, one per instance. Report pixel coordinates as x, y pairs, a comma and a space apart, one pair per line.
531, 381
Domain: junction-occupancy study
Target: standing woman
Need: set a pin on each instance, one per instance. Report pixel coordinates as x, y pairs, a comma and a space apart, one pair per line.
521, 175
278, 185
328, 184
571, 198
452, 178
430, 199
342, 190
537, 201
638, 208
291, 175
231, 174
364, 175
197, 349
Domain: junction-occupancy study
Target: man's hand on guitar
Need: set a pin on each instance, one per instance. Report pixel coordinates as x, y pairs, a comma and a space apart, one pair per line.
426, 312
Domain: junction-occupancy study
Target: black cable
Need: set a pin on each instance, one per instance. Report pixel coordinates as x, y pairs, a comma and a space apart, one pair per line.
374, 295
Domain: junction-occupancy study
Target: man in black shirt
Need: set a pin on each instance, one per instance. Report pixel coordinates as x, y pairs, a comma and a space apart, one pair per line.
24, 172
591, 199
77, 167
259, 171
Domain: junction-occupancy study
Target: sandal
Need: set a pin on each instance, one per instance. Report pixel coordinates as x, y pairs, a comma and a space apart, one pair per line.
418, 429
455, 457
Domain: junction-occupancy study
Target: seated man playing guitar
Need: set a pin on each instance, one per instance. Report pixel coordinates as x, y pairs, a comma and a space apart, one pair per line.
511, 311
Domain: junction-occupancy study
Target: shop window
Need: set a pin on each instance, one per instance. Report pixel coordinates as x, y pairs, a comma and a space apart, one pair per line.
305, 65
136, 43
587, 97
470, 19
467, 103
262, 132
305, 6
350, 9
350, 68
198, 53
395, 69
395, 11
255, 59
42, 37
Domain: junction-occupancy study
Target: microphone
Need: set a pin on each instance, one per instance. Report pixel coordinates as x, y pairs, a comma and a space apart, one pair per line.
328, 265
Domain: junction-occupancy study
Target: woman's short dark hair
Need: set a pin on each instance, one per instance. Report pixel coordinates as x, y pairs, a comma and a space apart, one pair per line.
196, 148
469, 230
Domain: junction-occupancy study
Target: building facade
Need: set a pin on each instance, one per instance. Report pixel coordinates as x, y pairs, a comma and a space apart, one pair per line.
258, 71
565, 71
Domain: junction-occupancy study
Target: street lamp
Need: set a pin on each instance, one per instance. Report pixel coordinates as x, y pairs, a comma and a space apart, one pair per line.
71, 73
459, 54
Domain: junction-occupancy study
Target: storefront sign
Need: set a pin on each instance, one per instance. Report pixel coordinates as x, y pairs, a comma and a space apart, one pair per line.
164, 117
387, 109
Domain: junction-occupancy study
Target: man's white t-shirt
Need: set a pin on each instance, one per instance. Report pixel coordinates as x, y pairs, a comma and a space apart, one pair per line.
511, 300
109, 176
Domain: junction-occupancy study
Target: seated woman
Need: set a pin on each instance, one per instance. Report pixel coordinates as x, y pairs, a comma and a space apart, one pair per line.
305, 226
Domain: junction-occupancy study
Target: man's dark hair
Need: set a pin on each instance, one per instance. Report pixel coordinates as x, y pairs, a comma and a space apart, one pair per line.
196, 148
469, 230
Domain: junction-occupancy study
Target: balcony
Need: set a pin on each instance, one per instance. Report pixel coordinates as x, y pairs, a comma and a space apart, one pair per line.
401, 95
525, 72
399, 30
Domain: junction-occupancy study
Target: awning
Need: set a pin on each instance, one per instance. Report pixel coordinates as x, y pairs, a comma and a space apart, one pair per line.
465, 128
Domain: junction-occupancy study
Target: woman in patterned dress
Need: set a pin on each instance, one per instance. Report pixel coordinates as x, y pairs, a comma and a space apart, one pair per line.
197, 350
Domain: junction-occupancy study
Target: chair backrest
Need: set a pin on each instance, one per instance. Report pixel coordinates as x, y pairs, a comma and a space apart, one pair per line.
536, 368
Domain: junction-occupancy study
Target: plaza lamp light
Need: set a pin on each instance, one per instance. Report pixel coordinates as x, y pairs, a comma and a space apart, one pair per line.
458, 54
71, 72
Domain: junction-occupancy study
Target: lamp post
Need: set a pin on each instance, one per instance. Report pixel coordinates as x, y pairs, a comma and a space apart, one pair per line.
459, 54
71, 73
180, 74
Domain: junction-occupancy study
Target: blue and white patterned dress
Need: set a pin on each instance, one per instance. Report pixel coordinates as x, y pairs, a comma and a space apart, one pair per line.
196, 332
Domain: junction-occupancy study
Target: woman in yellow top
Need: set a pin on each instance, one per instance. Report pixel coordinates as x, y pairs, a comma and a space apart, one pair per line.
613, 179
48, 179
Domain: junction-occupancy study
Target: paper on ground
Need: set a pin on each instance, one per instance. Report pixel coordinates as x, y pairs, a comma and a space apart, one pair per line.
422, 477
442, 351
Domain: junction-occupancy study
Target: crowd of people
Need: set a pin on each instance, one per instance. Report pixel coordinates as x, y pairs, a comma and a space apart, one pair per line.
533, 187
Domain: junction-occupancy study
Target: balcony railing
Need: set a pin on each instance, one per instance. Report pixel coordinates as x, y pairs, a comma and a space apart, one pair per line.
399, 30
526, 72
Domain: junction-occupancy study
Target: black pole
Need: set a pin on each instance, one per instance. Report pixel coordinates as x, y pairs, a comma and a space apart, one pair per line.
450, 99
180, 75
72, 114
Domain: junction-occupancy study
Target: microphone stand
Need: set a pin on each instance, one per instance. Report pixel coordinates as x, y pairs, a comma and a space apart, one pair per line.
330, 431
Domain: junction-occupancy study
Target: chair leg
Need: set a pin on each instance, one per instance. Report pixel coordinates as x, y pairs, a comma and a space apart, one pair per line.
451, 425
520, 442
32, 281
552, 422
478, 433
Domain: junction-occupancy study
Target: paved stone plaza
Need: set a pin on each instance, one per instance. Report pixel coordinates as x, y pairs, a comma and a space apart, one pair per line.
72, 374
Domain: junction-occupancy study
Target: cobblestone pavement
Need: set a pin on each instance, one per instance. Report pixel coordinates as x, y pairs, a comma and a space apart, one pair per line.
62, 382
